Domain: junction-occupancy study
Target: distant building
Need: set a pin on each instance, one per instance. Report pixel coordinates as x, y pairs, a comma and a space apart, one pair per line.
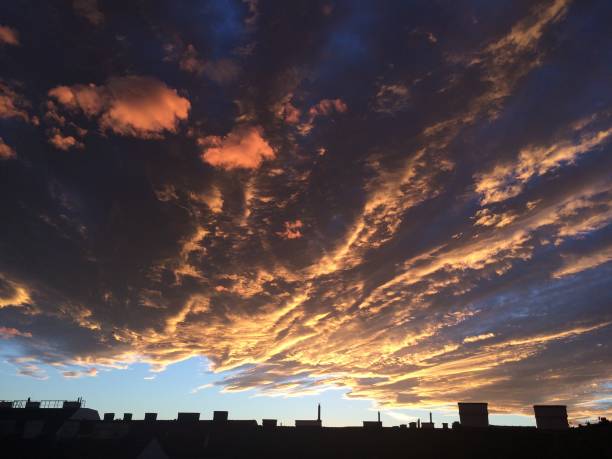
551, 416
474, 414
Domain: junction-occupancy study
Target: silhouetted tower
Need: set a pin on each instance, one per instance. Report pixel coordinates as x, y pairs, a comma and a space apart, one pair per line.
319, 412
551, 416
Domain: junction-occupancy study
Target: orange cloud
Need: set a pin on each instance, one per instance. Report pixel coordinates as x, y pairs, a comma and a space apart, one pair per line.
65, 143
325, 107
243, 148
286, 111
12, 105
292, 230
6, 152
132, 106
8, 36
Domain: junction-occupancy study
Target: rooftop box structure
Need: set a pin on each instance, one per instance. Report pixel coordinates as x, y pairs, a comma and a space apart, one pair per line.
127, 416
551, 416
372, 424
220, 416
188, 417
474, 414
427, 425
268, 422
109, 416
150, 417
412, 425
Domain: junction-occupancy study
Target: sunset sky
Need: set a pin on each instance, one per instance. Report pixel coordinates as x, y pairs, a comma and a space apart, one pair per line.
262, 205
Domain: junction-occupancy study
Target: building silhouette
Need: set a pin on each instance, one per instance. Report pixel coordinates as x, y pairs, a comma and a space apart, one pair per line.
67, 429
473, 414
551, 416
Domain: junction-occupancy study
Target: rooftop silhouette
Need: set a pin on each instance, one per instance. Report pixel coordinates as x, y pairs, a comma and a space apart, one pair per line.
69, 429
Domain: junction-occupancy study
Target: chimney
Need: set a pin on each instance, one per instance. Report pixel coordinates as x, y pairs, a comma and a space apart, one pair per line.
319, 412
430, 418
379, 416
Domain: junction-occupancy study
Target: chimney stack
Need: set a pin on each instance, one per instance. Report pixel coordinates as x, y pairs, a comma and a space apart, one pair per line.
319, 412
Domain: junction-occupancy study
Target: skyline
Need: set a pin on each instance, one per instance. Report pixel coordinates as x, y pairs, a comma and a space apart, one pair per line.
258, 206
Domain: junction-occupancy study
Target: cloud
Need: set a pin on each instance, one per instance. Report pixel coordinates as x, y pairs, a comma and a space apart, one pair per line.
211, 198
243, 148
75, 374
133, 106
26, 366
287, 112
409, 290
292, 230
6, 152
12, 104
195, 390
12, 293
473, 339
391, 98
8, 36
9, 332
89, 10
507, 180
325, 107
220, 71
191, 62
65, 143
573, 264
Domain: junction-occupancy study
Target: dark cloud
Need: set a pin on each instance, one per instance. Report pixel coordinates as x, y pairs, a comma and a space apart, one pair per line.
409, 201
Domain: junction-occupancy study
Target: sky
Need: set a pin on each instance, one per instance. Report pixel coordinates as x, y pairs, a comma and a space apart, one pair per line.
262, 205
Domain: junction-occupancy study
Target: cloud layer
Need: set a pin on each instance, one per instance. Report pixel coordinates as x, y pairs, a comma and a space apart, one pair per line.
414, 210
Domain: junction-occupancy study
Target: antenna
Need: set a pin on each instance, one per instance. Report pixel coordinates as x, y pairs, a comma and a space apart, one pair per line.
379, 416
319, 412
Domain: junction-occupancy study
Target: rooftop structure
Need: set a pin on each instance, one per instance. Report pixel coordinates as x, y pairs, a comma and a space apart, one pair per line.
473, 414
551, 416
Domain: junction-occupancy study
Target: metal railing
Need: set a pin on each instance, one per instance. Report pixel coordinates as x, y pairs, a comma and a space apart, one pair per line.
42, 403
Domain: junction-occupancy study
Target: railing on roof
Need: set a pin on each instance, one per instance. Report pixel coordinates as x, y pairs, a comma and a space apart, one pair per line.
43, 403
